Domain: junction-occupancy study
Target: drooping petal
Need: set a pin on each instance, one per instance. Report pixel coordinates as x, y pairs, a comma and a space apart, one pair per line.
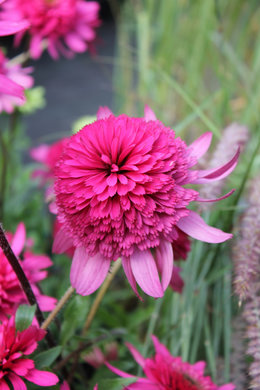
149, 115
61, 242
10, 28
207, 176
42, 378
136, 354
9, 87
196, 227
217, 199
129, 274
88, 273
200, 146
164, 258
19, 239
104, 112
146, 273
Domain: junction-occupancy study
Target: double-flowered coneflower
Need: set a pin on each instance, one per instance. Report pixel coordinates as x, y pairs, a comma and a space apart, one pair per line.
166, 372
63, 26
11, 293
15, 366
121, 191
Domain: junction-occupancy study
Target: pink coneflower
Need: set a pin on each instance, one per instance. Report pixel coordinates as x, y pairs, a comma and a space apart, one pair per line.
64, 26
13, 80
166, 372
121, 192
15, 346
11, 293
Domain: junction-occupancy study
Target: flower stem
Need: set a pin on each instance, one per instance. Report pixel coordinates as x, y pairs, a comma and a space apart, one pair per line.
14, 262
100, 295
58, 307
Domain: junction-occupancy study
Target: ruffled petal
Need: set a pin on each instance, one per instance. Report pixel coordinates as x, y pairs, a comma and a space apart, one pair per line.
164, 259
61, 242
146, 273
19, 239
129, 274
217, 199
196, 227
88, 273
207, 176
149, 115
136, 354
104, 112
200, 146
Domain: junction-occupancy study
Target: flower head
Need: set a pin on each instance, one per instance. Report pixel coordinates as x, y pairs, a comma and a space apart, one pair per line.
11, 293
65, 26
14, 364
13, 80
121, 192
166, 372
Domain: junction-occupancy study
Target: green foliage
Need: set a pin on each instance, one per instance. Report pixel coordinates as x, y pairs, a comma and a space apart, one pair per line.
115, 384
46, 358
24, 316
35, 100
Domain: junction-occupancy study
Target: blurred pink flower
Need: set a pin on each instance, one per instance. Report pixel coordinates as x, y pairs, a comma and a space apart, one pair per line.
11, 293
14, 346
13, 80
166, 372
121, 190
97, 358
64, 26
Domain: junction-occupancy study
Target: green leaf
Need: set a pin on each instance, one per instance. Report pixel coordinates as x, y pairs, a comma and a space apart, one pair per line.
46, 358
115, 384
24, 316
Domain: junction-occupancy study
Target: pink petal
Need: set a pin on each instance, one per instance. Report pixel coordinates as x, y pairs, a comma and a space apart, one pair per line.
200, 146
119, 372
146, 385
17, 382
9, 87
149, 115
40, 153
228, 386
10, 28
42, 378
129, 274
136, 354
146, 273
88, 273
95, 387
19, 239
164, 258
3, 385
65, 386
161, 349
61, 242
196, 227
210, 175
104, 112
217, 199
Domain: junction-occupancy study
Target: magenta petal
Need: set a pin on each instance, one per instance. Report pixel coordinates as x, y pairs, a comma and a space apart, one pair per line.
104, 112
228, 386
129, 274
19, 239
200, 146
217, 199
10, 28
65, 386
146, 273
136, 354
147, 385
196, 227
9, 87
210, 175
61, 242
160, 349
42, 378
17, 382
164, 258
88, 273
116, 371
149, 115
3, 385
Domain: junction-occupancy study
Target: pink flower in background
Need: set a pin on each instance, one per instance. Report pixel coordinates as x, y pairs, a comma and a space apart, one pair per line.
97, 358
64, 26
121, 190
166, 372
13, 80
14, 364
11, 293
